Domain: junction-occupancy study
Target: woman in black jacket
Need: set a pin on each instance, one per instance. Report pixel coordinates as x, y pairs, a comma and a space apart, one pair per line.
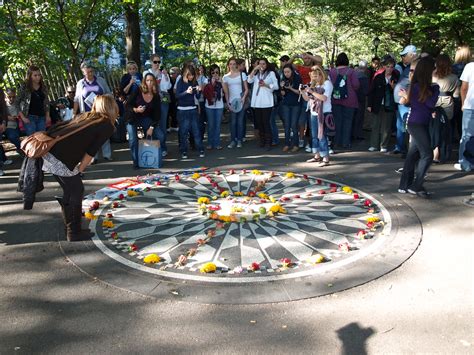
143, 110
382, 105
68, 158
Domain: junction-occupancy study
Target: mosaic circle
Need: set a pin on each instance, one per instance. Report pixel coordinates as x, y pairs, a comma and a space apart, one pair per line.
235, 226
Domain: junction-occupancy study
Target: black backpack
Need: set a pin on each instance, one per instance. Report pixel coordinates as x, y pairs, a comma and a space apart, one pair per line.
340, 87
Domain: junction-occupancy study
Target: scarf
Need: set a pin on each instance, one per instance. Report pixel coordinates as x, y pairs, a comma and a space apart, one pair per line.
261, 77
317, 106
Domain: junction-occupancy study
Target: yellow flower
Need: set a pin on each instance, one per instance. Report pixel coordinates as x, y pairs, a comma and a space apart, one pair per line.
347, 189
282, 210
238, 193
204, 200
90, 216
263, 195
208, 267
272, 199
131, 193
373, 219
195, 176
256, 172
108, 224
316, 259
151, 259
290, 175
224, 193
275, 208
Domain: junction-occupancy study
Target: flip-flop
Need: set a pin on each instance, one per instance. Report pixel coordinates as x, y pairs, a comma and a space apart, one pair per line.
323, 163
313, 160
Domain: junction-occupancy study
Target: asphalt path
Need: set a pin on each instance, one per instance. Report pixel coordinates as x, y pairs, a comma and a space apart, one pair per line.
425, 306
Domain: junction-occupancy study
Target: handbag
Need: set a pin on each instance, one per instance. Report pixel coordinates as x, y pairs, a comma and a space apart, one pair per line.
149, 154
39, 143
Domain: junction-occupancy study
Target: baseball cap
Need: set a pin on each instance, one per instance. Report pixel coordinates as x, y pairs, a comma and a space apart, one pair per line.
408, 49
363, 63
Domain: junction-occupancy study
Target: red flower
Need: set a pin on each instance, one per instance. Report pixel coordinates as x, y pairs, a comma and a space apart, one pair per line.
296, 196
158, 183
121, 197
319, 182
322, 192
251, 194
244, 171
132, 247
286, 262
231, 171
176, 177
344, 247
332, 185
255, 266
370, 224
114, 235
367, 203
218, 172
109, 215
115, 204
361, 234
333, 189
214, 184
356, 196
201, 241
305, 177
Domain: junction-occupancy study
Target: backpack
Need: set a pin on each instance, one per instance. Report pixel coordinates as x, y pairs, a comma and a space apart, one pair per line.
340, 87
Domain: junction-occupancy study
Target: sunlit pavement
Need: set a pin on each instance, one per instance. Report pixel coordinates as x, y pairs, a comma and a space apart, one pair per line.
48, 305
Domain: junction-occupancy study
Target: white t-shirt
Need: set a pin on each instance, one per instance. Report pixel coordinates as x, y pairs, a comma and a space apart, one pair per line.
235, 85
468, 76
327, 107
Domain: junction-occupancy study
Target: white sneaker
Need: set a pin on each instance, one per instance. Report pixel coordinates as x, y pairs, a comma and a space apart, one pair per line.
331, 151
372, 149
8, 162
307, 149
184, 156
202, 155
301, 143
2, 173
383, 150
458, 166
239, 144
164, 153
231, 145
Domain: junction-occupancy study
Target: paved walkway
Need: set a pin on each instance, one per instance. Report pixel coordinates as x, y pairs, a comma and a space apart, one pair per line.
47, 305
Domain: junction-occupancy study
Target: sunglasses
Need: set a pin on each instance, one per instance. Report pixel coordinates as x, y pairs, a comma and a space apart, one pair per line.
215, 72
71, 92
156, 61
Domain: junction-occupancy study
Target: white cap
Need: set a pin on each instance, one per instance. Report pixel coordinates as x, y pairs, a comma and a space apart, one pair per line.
408, 49
363, 63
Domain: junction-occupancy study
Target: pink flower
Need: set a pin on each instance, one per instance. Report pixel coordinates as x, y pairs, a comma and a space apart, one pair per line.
255, 266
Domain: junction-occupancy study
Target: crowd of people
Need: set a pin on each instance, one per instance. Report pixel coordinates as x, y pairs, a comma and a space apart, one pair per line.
322, 109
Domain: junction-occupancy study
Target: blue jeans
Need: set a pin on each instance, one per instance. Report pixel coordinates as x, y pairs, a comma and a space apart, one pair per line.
401, 113
163, 121
467, 133
202, 119
237, 126
106, 150
13, 135
214, 118
132, 127
343, 117
273, 125
318, 145
189, 123
290, 115
37, 123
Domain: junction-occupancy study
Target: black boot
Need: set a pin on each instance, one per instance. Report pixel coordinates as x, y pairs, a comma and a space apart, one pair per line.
73, 216
60, 201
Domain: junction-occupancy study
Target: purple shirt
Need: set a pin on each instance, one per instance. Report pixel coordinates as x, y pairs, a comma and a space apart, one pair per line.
89, 88
352, 86
420, 112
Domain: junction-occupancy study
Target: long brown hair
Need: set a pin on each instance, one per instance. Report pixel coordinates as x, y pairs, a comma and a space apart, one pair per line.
29, 74
104, 108
443, 66
144, 87
423, 76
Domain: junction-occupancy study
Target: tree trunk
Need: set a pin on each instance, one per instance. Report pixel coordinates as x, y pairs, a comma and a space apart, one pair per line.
132, 32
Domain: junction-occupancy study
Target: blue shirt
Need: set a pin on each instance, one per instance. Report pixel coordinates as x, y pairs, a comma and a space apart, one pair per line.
290, 98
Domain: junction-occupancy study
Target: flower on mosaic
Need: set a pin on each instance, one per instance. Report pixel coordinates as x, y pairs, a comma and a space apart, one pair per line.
286, 262
219, 225
105, 199
356, 196
151, 259
109, 215
290, 175
224, 193
322, 192
254, 266
217, 172
107, 224
347, 190
132, 193
132, 247
90, 216
182, 260
285, 199
367, 203
94, 205
316, 259
213, 216
215, 184
344, 247
231, 171
263, 195
191, 252
176, 177
244, 171
333, 185
211, 233
214, 207
243, 219
370, 225
262, 210
256, 172
361, 234
204, 200
251, 194
115, 204
319, 181
114, 235
373, 219
270, 214
371, 210
158, 183
305, 177
238, 269
208, 267
238, 193
296, 196
333, 189
195, 176
200, 241
272, 174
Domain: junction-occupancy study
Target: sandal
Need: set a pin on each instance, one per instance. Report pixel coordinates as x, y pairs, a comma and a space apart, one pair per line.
314, 160
323, 163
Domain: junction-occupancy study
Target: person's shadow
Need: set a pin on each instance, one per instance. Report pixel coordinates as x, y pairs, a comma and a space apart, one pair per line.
353, 338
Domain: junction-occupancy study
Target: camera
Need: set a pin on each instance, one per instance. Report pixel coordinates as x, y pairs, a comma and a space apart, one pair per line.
303, 87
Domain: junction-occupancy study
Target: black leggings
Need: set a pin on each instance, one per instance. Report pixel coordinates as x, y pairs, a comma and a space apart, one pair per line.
73, 189
420, 151
262, 122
